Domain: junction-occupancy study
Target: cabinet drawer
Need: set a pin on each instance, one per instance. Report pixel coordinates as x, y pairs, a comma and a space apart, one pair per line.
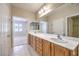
39, 51
46, 48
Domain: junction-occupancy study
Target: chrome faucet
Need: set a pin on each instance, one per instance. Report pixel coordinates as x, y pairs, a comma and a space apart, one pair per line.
59, 36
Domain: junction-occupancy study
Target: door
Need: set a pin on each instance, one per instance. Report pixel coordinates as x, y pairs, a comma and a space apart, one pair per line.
73, 26
5, 29
76, 26
6, 35
0, 36
69, 26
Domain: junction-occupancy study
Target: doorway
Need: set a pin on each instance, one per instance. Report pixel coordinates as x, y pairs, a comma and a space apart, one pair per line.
19, 31
73, 26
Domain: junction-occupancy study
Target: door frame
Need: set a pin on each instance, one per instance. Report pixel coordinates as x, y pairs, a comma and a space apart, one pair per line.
66, 23
12, 35
12, 32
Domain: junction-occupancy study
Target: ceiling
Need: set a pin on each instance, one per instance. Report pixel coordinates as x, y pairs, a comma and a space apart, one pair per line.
32, 7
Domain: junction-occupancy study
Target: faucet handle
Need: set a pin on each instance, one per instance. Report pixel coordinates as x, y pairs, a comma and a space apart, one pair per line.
58, 35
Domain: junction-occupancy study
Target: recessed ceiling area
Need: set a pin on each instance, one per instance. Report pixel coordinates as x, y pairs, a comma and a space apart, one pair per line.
32, 7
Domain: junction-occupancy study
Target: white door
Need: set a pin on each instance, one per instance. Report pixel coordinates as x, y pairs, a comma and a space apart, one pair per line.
0, 38
6, 36
5, 30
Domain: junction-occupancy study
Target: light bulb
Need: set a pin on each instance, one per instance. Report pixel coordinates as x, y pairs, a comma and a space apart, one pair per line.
39, 12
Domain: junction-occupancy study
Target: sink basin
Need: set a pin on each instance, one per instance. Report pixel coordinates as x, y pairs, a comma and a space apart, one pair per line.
58, 40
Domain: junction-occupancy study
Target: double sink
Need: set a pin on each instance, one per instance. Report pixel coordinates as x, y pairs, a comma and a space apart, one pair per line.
59, 40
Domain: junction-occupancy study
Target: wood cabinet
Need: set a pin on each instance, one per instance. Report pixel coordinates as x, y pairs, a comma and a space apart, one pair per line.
29, 39
52, 49
33, 42
39, 45
60, 51
46, 48
74, 52
78, 50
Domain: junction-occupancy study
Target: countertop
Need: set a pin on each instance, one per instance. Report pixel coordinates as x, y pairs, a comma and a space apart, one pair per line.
68, 42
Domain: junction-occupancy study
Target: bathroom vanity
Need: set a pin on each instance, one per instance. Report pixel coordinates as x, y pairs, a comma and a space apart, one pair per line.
50, 45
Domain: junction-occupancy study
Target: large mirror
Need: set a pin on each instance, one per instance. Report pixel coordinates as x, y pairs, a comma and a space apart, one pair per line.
34, 25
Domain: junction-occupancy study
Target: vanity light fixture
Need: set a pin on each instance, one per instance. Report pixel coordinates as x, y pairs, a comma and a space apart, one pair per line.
44, 10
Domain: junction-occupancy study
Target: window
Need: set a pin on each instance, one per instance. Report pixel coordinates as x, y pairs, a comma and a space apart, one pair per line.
18, 28
4, 27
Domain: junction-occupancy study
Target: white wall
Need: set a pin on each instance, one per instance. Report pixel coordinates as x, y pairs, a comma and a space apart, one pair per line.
23, 13
0, 35
57, 20
43, 20
43, 27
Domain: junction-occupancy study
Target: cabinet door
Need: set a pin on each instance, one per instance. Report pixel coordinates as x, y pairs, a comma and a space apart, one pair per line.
74, 52
60, 51
52, 49
33, 41
78, 50
39, 46
29, 39
46, 48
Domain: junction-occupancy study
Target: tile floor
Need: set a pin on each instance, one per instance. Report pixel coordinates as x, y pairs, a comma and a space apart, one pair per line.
20, 40
21, 47
24, 50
